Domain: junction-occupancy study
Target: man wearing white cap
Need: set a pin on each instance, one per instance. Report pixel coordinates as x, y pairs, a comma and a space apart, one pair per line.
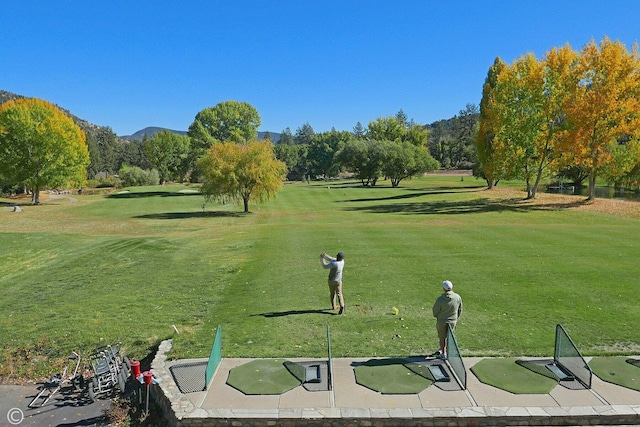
447, 309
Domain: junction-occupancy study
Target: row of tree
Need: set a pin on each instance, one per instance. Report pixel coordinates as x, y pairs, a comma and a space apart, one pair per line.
573, 114
220, 150
390, 147
306, 153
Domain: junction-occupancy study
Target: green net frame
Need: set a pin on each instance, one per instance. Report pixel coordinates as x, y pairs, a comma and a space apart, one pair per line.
215, 357
568, 357
455, 359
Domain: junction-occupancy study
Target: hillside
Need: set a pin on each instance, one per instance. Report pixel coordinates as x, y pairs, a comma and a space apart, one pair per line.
89, 128
151, 130
92, 129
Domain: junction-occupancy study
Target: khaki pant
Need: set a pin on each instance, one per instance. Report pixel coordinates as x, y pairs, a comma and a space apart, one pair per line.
335, 289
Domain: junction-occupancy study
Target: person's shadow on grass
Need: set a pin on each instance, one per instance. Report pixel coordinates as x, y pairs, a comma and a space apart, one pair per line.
294, 312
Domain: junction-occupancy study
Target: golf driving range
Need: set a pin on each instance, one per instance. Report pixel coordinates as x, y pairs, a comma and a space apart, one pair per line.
150, 264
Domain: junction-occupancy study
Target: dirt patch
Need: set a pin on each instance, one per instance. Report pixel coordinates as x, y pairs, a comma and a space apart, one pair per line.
617, 207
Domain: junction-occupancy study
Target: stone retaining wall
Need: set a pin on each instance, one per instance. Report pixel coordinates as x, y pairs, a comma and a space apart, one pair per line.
180, 412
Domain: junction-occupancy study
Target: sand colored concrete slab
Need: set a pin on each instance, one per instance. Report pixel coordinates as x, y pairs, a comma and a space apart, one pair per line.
299, 397
614, 394
566, 397
433, 397
229, 397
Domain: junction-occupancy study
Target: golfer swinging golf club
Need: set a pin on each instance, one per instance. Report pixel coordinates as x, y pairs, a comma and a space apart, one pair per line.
335, 278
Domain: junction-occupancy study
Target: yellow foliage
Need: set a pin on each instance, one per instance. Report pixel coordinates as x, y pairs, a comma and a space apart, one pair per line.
41, 145
242, 172
571, 108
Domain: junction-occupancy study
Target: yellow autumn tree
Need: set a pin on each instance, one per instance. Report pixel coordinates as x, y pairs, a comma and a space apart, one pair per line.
40, 146
527, 117
518, 108
487, 126
603, 111
241, 172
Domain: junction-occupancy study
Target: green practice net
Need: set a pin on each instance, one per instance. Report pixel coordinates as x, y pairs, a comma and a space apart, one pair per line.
215, 357
568, 357
455, 359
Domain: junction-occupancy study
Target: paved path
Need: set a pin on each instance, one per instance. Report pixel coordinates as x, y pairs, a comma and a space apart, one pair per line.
63, 410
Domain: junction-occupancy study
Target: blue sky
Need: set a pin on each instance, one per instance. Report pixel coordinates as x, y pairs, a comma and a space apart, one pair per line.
132, 64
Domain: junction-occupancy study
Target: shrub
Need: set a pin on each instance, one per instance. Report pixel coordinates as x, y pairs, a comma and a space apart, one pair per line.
134, 176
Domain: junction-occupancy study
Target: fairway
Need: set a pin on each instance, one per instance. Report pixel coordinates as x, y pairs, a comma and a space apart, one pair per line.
129, 266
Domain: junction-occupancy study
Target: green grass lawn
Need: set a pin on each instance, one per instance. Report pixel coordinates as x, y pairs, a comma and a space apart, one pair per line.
127, 267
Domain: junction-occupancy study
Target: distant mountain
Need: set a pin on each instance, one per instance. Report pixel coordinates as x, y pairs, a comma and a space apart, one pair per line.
149, 132
275, 137
152, 130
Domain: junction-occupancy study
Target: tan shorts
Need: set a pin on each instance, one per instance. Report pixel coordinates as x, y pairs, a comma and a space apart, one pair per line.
442, 329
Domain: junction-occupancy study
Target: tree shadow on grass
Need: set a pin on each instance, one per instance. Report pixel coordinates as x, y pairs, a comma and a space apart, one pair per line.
295, 312
187, 215
419, 193
142, 194
483, 205
12, 204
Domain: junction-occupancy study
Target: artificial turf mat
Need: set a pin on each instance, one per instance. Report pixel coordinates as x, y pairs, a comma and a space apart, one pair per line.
393, 376
506, 374
539, 366
617, 370
263, 376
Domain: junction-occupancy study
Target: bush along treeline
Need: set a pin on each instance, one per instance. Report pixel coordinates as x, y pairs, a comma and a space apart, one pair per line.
391, 147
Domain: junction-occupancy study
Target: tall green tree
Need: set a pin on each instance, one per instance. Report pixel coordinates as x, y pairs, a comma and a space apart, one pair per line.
41, 146
229, 121
519, 144
386, 129
105, 152
404, 160
363, 158
465, 153
304, 134
133, 153
241, 172
169, 153
322, 152
294, 156
286, 137
397, 128
487, 167
529, 117
359, 131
